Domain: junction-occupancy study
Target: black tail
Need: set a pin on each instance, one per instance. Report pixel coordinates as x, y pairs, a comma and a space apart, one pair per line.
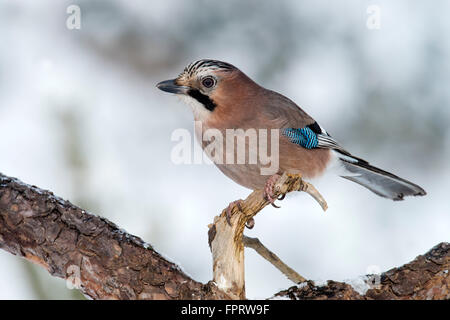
381, 182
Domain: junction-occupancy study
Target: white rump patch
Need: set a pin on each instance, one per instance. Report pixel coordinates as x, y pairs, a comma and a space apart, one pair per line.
336, 166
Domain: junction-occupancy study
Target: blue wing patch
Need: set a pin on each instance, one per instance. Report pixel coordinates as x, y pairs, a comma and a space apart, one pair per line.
304, 137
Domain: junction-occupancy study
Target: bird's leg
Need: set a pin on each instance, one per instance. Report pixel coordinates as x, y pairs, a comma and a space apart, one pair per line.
230, 208
268, 190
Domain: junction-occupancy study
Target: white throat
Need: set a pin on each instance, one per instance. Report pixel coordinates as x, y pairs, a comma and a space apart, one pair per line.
199, 110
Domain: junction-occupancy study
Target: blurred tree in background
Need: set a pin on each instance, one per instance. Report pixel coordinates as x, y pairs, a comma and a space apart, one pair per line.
382, 93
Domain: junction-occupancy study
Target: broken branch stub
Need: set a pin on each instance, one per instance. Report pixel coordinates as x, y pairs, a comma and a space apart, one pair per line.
226, 241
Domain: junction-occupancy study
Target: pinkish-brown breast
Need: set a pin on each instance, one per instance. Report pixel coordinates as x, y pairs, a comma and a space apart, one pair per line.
242, 104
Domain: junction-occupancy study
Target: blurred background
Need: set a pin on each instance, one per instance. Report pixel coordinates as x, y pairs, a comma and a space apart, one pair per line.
80, 115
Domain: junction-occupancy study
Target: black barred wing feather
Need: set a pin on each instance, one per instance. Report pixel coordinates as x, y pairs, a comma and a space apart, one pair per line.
312, 136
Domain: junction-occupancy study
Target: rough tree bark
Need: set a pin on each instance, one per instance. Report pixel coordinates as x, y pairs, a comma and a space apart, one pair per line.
112, 264
69, 242
426, 277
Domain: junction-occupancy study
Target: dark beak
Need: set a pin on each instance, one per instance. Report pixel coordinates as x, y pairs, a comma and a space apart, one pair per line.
172, 87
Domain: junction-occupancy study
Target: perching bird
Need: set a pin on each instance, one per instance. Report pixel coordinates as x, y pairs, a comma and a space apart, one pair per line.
223, 97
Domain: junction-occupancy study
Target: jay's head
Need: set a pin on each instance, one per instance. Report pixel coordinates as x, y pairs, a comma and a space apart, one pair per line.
210, 87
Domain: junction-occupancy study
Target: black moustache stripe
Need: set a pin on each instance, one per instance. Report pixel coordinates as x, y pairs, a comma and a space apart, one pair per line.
203, 99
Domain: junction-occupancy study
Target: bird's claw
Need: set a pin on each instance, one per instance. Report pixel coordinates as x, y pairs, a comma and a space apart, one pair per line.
268, 195
274, 205
250, 223
268, 190
230, 207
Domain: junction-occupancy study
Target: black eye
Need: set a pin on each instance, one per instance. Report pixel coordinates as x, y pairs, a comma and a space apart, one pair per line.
208, 82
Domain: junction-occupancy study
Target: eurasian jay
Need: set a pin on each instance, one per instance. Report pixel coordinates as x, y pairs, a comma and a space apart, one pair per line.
222, 97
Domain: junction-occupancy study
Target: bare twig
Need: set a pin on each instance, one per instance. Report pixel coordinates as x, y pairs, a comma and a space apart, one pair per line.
312, 191
256, 245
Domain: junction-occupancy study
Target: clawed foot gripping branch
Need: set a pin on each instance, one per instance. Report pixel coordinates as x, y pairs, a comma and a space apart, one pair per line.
227, 241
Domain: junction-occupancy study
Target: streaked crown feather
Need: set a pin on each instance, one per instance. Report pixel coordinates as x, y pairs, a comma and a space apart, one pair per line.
205, 65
